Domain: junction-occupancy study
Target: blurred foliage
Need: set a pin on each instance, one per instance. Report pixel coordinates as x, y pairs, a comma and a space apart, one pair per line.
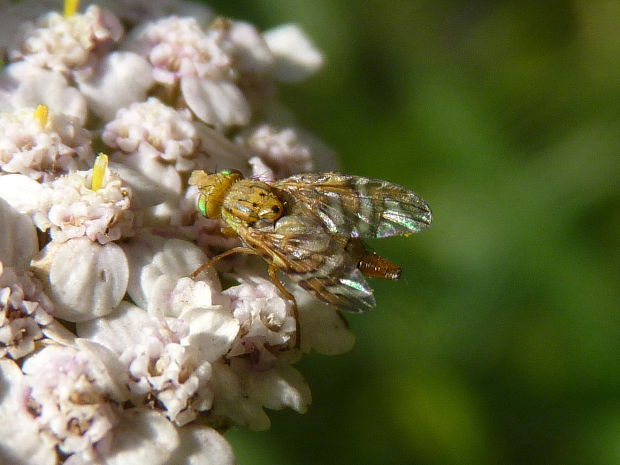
500, 345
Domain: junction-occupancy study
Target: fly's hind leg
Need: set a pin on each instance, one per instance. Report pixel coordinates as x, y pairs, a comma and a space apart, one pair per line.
218, 257
273, 270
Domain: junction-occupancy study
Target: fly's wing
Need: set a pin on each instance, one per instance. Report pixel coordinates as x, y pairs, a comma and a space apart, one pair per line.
359, 207
300, 246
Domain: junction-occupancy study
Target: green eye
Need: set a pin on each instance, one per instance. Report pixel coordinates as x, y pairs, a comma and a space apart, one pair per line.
230, 171
202, 205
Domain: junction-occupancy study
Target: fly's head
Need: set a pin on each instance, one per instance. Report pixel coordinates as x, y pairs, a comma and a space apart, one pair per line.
213, 190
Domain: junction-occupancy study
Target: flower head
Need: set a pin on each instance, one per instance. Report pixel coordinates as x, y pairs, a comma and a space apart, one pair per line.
68, 45
73, 397
43, 149
178, 47
116, 353
24, 311
70, 208
165, 369
266, 318
281, 150
158, 141
198, 61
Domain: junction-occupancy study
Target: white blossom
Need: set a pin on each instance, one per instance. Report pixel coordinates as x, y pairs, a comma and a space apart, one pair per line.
281, 150
18, 238
183, 54
74, 396
70, 45
21, 442
112, 350
113, 84
70, 208
157, 265
295, 56
85, 279
24, 311
168, 359
43, 151
267, 322
157, 140
23, 86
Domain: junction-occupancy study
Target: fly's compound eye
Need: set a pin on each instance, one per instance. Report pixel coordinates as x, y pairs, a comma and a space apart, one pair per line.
202, 205
230, 171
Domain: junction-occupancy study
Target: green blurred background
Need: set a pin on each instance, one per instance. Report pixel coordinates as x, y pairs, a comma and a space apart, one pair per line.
500, 345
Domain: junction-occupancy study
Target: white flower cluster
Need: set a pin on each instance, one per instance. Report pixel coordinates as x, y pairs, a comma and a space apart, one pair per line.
109, 352
43, 151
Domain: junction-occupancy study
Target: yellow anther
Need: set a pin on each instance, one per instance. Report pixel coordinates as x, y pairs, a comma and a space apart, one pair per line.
40, 114
71, 7
99, 170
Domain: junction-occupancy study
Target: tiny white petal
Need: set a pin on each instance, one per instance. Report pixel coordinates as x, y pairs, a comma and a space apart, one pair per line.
145, 192
166, 176
142, 437
58, 333
117, 330
21, 191
125, 79
296, 56
179, 258
323, 329
211, 331
231, 400
18, 238
35, 86
106, 367
159, 297
190, 294
87, 280
140, 251
223, 151
278, 388
250, 49
21, 442
201, 445
218, 103
261, 171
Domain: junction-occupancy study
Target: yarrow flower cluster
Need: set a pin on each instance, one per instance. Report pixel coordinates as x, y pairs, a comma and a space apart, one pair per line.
110, 353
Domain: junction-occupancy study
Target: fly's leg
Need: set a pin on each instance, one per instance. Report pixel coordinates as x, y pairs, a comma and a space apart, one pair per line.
218, 257
273, 270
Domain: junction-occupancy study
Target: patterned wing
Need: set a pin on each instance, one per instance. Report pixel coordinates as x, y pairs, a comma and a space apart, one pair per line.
315, 259
359, 207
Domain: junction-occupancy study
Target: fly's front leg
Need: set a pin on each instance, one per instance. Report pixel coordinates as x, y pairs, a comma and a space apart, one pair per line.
273, 270
218, 257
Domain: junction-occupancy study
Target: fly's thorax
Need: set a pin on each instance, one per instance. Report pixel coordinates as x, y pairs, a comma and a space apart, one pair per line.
213, 190
253, 203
